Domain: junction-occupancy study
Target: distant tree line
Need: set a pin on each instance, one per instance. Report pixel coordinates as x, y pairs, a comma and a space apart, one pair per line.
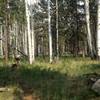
51, 28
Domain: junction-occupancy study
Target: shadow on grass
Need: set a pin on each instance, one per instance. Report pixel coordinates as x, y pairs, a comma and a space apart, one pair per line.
46, 84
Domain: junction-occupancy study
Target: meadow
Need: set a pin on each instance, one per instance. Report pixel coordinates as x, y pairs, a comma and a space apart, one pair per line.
66, 79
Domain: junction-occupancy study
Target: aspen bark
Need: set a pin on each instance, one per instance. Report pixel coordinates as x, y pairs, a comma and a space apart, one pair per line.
98, 29
49, 32
57, 34
1, 44
89, 36
28, 31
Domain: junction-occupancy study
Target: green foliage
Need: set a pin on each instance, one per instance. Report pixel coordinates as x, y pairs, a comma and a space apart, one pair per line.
16, 10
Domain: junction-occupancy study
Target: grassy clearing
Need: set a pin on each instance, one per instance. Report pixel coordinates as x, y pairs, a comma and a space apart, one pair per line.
6, 96
63, 80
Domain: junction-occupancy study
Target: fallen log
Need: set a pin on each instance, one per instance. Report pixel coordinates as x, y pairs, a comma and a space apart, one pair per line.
3, 89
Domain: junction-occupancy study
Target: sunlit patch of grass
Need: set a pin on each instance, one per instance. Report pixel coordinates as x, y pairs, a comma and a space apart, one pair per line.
69, 66
6, 96
8, 93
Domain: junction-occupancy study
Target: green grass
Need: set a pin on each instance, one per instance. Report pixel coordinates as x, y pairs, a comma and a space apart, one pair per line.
62, 80
6, 96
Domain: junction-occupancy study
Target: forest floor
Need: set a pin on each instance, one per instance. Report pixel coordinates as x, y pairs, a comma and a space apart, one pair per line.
66, 79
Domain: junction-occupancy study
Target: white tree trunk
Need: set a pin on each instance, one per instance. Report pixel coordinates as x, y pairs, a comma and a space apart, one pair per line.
16, 31
1, 44
49, 32
33, 38
29, 32
57, 29
98, 29
23, 37
25, 48
89, 36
